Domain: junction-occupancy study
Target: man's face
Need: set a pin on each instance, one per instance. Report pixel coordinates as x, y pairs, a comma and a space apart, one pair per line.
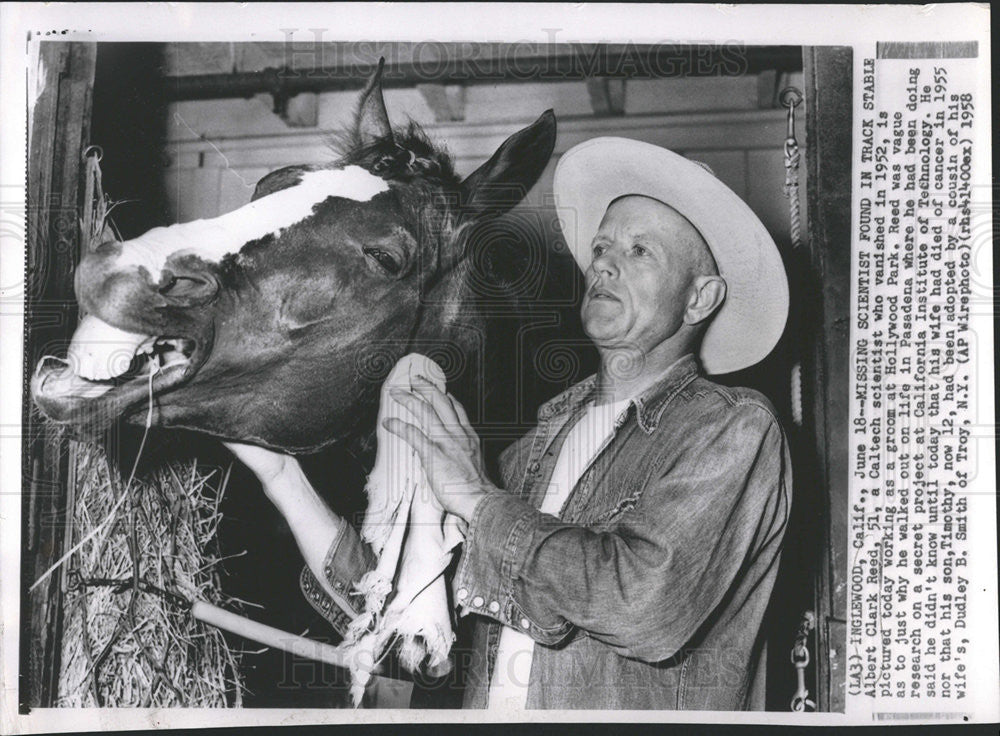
639, 284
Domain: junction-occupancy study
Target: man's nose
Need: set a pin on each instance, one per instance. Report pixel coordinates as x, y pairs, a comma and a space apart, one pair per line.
605, 264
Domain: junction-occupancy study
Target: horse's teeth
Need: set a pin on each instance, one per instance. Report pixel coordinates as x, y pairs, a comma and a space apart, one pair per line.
100, 352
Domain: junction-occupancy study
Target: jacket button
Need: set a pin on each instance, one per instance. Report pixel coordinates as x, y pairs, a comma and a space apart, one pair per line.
494, 606
478, 601
461, 594
525, 623
533, 468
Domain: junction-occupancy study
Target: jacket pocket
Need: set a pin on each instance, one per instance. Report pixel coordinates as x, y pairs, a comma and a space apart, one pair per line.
626, 504
615, 502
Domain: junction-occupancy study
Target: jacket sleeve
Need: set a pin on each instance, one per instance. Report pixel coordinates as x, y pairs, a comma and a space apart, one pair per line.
347, 560
645, 585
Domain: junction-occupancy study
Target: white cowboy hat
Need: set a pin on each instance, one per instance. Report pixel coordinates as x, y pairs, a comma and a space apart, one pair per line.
750, 322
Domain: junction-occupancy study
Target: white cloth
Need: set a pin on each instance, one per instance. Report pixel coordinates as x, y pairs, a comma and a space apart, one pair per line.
583, 443
414, 540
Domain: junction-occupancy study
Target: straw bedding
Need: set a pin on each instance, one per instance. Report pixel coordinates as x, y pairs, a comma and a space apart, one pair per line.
128, 639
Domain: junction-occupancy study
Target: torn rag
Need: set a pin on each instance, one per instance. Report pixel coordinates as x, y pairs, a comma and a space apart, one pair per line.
405, 596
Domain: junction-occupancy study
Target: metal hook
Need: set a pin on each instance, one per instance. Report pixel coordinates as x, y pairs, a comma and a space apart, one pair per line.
411, 157
93, 150
800, 658
790, 97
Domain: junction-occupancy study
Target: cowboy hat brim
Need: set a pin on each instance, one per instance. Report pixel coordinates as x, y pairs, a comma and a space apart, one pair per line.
752, 318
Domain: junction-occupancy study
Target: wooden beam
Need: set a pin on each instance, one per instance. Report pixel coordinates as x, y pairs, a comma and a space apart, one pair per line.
767, 89
825, 295
336, 69
59, 133
305, 50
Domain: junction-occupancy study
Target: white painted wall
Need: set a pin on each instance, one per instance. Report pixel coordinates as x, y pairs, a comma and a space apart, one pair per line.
219, 149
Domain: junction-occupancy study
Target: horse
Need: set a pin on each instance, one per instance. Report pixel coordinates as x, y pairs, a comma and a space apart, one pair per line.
275, 324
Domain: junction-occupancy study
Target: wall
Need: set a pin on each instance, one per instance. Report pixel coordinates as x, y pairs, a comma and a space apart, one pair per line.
218, 149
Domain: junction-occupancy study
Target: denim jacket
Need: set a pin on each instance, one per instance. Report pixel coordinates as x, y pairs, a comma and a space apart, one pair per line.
649, 590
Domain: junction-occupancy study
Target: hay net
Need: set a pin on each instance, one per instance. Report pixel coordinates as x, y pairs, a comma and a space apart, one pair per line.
128, 638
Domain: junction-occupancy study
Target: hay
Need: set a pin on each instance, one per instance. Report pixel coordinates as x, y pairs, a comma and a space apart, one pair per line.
128, 638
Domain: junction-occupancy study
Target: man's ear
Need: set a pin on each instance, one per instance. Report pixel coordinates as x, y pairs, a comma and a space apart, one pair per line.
504, 180
707, 295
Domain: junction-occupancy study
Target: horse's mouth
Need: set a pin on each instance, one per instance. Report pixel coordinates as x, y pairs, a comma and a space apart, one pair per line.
107, 371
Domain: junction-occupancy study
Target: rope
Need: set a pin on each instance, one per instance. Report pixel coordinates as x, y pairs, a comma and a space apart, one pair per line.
792, 191
791, 98
95, 206
795, 387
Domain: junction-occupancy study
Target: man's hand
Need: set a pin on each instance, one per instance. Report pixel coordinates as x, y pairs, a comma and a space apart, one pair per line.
447, 445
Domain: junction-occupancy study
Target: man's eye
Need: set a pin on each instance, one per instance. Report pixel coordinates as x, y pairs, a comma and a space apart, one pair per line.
599, 250
385, 259
639, 250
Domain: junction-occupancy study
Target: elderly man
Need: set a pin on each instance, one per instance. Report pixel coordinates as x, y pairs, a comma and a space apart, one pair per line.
628, 559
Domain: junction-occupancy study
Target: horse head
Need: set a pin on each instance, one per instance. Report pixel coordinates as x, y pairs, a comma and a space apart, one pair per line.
263, 325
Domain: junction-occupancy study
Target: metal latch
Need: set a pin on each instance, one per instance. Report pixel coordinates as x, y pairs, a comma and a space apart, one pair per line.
800, 658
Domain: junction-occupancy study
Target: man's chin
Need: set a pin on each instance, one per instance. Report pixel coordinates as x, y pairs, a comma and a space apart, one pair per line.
603, 333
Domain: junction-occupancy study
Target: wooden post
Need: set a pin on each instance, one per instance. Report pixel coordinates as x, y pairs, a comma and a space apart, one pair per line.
827, 367
59, 132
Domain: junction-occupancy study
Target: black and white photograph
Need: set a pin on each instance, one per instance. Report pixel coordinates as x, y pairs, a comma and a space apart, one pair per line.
366, 359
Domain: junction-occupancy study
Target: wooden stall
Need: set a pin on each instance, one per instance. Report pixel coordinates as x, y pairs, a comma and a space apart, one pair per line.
187, 129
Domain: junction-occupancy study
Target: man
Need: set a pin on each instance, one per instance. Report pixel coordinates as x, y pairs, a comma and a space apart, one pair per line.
629, 558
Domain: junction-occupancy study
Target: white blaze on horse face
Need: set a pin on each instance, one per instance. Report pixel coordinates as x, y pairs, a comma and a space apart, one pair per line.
211, 240
99, 351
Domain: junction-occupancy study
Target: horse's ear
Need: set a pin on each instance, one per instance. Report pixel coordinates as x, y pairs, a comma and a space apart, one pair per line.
505, 179
280, 179
373, 120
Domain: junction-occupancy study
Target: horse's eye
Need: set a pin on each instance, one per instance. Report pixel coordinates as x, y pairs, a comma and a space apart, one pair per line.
184, 286
385, 259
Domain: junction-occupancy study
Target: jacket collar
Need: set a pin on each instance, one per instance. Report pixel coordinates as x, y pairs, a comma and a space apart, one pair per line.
649, 405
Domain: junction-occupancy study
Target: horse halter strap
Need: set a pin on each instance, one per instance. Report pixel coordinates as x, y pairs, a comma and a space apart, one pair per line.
391, 163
